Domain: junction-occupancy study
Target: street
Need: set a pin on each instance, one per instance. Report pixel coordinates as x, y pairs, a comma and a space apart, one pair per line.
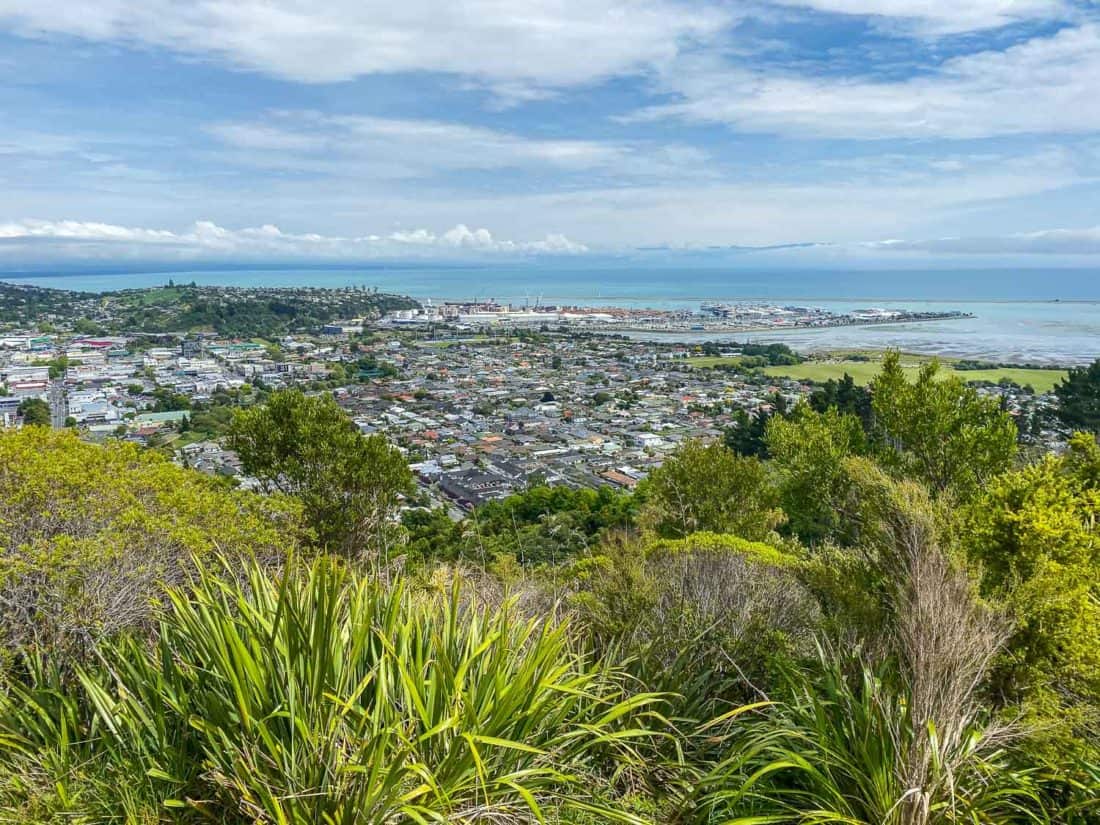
59, 408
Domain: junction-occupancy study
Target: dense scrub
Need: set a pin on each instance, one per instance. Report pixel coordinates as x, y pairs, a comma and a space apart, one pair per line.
90, 535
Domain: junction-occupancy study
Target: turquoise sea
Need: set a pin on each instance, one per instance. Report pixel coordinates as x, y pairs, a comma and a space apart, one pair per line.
1048, 316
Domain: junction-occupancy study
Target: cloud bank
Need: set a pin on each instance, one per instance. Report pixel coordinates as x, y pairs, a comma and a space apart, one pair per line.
83, 240
78, 242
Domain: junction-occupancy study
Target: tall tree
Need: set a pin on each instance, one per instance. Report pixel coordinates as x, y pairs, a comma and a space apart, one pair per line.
1079, 398
809, 449
709, 487
35, 411
846, 396
938, 429
745, 436
349, 484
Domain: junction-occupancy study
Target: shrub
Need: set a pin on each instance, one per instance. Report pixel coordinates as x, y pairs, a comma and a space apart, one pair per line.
88, 535
1034, 535
702, 617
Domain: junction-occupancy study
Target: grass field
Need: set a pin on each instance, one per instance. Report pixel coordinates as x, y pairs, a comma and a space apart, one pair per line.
863, 371
709, 361
155, 296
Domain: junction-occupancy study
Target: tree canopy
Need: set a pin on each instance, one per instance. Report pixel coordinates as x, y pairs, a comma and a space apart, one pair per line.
1035, 539
349, 484
1079, 398
708, 487
35, 412
939, 430
808, 450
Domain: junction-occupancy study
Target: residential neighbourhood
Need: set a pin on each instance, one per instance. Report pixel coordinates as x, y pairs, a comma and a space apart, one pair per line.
480, 412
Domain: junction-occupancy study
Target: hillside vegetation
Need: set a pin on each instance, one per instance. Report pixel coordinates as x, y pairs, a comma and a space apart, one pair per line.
237, 312
890, 619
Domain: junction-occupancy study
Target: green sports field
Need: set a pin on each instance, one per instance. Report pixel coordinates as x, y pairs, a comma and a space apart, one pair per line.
1043, 380
709, 361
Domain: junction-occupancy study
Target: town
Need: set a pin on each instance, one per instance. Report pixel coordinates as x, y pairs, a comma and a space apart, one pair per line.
481, 408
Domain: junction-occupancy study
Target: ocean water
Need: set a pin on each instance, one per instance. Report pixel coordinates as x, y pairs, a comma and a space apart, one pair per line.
1050, 316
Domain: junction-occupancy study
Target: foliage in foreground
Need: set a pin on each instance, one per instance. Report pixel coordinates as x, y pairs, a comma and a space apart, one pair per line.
955, 594
840, 749
327, 697
704, 618
901, 736
1035, 537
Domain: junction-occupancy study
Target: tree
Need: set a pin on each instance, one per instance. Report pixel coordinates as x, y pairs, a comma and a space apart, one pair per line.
809, 449
746, 434
1079, 398
349, 485
939, 430
35, 412
1034, 536
710, 488
846, 396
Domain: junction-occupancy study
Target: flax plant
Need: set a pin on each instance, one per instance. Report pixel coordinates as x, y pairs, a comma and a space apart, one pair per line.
329, 697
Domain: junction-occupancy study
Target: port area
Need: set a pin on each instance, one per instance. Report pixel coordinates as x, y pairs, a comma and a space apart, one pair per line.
711, 316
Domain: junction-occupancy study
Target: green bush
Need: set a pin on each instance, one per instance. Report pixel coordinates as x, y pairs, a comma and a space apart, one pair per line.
1035, 538
704, 617
89, 534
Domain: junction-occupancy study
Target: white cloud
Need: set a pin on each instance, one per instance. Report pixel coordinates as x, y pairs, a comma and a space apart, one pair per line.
1043, 85
85, 240
939, 17
462, 237
516, 43
391, 148
965, 191
413, 143
1044, 242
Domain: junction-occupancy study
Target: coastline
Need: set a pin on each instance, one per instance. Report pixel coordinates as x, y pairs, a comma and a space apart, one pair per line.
733, 329
1022, 320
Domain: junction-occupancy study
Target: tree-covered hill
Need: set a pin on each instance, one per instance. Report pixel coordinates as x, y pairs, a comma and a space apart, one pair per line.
239, 312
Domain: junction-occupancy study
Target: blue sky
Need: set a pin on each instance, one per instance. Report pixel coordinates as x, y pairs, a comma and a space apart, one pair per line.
848, 132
